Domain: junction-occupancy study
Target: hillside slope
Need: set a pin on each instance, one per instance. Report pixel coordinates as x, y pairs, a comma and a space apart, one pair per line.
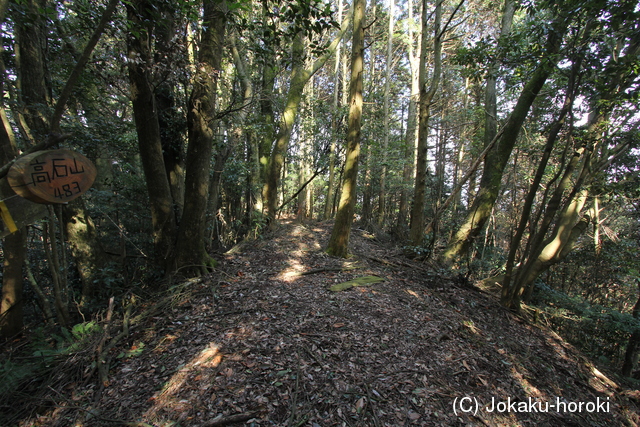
264, 342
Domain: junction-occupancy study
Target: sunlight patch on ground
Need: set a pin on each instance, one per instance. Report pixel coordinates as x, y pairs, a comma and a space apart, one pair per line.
291, 273
601, 382
529, 388
167, 399
164, 343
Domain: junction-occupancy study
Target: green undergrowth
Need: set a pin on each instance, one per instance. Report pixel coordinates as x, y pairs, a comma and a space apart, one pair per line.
601, 332
38, 369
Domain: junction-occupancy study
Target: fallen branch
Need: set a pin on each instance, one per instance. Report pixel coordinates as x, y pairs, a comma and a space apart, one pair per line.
323, 270
231, 419
396, 264
358, 281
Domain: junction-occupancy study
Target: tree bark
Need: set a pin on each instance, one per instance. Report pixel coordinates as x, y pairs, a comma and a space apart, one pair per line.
339, 240
170, 121
32, 82
299, 78
497, 159
11, 304
146, 118
236, 133
32, 79
267, 134
533, 188
490, 99
191, 256
335, 120
411, 138
385, 145
416, 232
543, 252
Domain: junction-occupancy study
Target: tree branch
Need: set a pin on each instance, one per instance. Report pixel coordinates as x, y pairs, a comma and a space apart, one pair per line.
318, 172
82, 61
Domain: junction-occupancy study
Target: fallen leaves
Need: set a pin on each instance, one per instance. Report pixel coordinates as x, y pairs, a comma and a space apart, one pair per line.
287, 351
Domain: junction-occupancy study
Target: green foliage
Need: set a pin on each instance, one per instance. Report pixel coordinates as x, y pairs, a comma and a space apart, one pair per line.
13, 374
135, 351
65, 342
599, 330
282, 21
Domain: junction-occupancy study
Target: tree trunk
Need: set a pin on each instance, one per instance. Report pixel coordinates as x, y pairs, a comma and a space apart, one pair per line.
299, 78
31, 36
416, 232
339, 240
146, 118
490, 100
569, 227
83, 241
631, 353
385, 145
367, 191
11, 305
267, 134
335, 120
236, 134
32, 79
542, 252
497, 159
170, 120
411, 138
533, 188
191, 256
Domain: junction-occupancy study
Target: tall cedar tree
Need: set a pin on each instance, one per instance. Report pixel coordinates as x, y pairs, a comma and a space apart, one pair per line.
416, 232
339, 241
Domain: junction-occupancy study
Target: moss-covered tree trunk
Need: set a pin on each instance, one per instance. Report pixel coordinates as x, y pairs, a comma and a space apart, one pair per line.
498, 157
335, 120
87, 252
30, 30
236, 131
299, 78
507, 286
382, 208
416, 231
191, 256
11, 304
490, 98
339, 240
267, 133
146, 118
170, 119
595, 154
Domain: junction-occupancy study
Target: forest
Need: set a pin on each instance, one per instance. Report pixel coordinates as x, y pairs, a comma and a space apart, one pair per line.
485, 155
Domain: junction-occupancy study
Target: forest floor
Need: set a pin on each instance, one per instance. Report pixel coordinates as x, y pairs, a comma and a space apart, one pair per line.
264, 342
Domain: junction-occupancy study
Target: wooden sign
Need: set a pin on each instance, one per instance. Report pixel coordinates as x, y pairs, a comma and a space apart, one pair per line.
17, 212
52, 176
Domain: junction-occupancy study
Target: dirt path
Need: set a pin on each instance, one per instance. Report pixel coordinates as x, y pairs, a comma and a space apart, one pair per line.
264, 344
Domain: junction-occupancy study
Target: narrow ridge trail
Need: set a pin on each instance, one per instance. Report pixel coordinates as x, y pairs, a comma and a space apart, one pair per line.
264, 342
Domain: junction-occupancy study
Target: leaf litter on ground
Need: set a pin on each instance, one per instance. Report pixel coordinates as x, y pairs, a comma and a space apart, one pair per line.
264, 342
